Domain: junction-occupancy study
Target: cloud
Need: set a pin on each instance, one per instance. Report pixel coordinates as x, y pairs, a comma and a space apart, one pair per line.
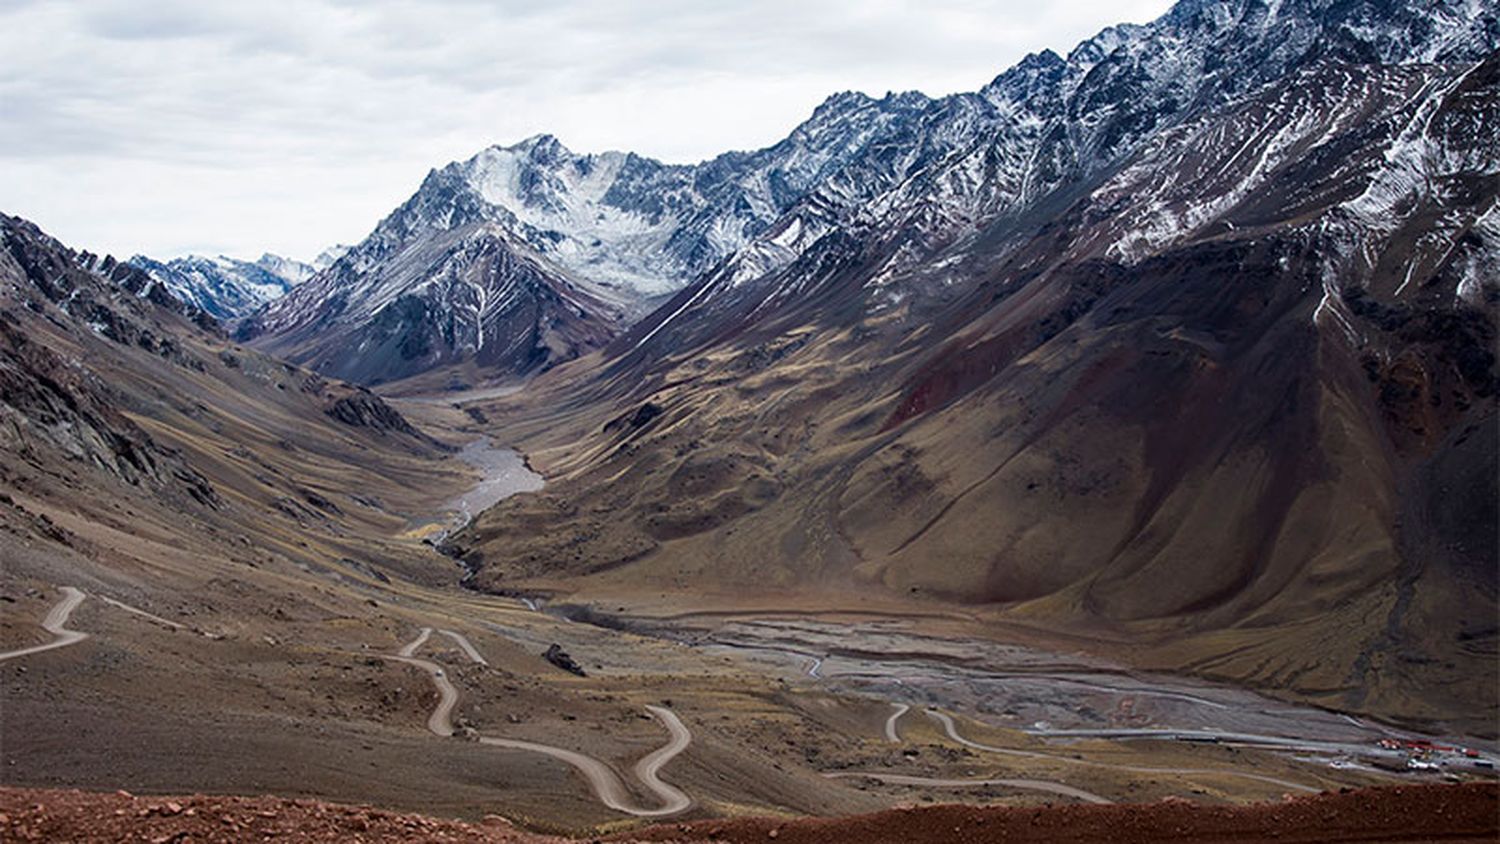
166, 126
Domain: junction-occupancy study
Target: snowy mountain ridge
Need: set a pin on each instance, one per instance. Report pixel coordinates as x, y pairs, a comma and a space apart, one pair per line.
917, 174
226, 287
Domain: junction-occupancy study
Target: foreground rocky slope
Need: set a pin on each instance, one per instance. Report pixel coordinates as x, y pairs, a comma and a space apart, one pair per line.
1450, 813
1202, 370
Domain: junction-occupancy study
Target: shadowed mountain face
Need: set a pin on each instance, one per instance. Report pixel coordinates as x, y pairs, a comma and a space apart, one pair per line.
1196, 353
117, 398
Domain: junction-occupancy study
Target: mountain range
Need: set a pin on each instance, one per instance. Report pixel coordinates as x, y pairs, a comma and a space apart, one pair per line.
226, 288
526, 256
1185, 339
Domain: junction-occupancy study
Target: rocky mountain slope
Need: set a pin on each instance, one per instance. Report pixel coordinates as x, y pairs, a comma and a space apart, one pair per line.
526, 256
116, 397
575, 246
1186, 339
226, 288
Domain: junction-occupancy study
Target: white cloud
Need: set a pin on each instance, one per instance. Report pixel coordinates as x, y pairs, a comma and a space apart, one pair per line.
167, 126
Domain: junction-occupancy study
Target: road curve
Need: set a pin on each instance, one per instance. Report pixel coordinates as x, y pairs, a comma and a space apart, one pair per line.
890, 723
56, 623
952, 730
468, 647
1027, 785
411, 647
673, 799
607, 785
440, 722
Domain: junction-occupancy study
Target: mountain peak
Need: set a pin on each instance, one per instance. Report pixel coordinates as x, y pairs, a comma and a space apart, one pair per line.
1035, 71
841, 102
542, 147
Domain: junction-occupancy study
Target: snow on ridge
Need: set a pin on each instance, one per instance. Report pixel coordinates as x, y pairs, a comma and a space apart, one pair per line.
225, 287
624, 227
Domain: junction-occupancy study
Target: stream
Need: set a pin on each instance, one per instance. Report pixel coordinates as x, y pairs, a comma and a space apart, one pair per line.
504, 473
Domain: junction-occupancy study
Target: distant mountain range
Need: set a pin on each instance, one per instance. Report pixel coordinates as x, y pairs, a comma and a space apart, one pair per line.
227, 288
525, 256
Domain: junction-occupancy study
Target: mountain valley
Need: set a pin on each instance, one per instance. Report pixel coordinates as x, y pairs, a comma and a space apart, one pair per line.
1122, 432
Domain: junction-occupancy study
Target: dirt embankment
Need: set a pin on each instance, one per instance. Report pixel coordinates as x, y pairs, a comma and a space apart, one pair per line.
1469, 812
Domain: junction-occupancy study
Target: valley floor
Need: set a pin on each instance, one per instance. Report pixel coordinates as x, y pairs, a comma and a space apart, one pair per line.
170, 672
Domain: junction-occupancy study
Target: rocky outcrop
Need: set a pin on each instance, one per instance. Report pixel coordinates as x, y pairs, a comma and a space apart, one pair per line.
364, 409
89, 288
49, 405
560, 658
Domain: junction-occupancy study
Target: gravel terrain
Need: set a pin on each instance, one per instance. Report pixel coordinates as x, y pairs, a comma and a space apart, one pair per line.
1468, 812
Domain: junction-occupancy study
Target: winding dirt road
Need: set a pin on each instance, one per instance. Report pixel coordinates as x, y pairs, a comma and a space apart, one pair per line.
607, 785
440, 722
411, 647
56, 624
468, 647
952, 730
650, 765
1026, 785
1047, 786
890, 723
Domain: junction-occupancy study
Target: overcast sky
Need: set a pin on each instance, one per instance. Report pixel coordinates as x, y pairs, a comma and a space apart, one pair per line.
175, 126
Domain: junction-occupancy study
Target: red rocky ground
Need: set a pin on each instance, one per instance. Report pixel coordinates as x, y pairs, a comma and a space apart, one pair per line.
1469, 812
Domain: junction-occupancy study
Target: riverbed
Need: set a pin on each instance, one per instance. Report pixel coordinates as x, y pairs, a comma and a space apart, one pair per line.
504, 472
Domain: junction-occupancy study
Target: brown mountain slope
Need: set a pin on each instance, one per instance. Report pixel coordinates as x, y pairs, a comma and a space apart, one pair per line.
213, 582
119, 408
1227, 426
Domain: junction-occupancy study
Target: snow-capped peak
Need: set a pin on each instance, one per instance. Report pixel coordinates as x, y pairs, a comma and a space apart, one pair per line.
223, 286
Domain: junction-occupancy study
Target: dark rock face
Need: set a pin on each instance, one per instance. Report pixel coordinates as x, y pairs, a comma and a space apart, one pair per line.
51, 404
416, 297
86, 287
640, 418
364, 409
46, 403
560, 658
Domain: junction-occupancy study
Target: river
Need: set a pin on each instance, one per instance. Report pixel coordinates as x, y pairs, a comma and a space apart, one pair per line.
503, 474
